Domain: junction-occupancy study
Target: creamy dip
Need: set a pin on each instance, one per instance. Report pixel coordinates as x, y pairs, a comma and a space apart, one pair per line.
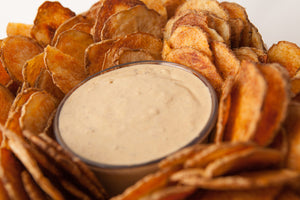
135, 114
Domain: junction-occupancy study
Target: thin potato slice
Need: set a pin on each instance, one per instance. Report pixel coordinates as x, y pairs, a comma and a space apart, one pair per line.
146, 185
6, 101
49, 17
186, 172
64, 69
69, 24
221, 26
190, 36
95, 54
37, 112
247, 98
287, 54
126, 55
18, 29
246, 53
249, 159
134, 20
236, 29
16, 50
109, 8
256, 39
275, 104
171, 193
5, 79
32, 70
214, 152
166, 49
244, 181
32, 189
212, 6
292, 127
198, 61
83, 27
158, 7
92, 12
10, 174
74, 43
225, 60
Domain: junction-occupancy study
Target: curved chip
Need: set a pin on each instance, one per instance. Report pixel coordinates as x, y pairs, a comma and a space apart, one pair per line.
32, 189
134, 20
126, 55
32, 70
158, 7
48, 18
6, 101
287, 54
221, 26
64, 69
18, 29
236, 29
5, 79
198, 61
83, 27
16, 50
247, 98
246, 53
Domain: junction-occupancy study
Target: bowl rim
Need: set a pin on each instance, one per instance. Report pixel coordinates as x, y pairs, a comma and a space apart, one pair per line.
198, 139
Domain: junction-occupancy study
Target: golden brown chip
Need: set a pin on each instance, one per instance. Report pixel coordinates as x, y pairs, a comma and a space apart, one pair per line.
224, 109
268, 193
134, 20
212, 6
32, 70
198, 61
37, 112
108, 8
64, 69
6, 101
170, 193
92, 12
10, 174
69, 24
146, 185
48, 18
5, 79
126, 55
133, 41
74, 43
244, 181
186, 172
18, 29
256, 39
275, 104
158, 7
287, 54
221, 26
214, 152
166, 49
178, 158
236, 29
225, 60
246, 53
190, 36
292, 127
249, 159
32, 189
17, 145
171, 6
16, 50
247, 98
83, 27
95, 54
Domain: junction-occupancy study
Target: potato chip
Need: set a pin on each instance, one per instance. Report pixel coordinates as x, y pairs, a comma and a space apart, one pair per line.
95, 54
158, 7
32, 189
17, 145
221, 26
247, 98
74, 43
13, 29
109, 8
69, 24
134, 20
186, 172
170, 193
126, 55
287, 54
10, 174
171, 6
246, 53
178, 158
6, 101
92, 12
261, 54
292, 127
143, 41
212, 6
64, 69
225, 60
83, 27
256, 39
275, 104
32, 70
37, 112
166, 49
48, 18
16, 50
236, 29
5, 79
224, 109
198, 61
214, 152
146, 185
190, 36
268, 193
249, 159
244, 181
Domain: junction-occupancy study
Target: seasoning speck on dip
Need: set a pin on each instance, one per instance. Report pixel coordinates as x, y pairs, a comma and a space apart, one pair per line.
135, 114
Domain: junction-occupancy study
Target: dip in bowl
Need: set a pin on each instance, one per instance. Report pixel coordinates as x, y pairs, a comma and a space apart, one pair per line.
124, 120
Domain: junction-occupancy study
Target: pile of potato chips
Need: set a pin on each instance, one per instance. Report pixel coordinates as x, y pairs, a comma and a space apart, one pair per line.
253, 153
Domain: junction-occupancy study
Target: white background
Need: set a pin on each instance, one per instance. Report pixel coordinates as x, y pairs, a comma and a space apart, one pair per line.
276, 19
